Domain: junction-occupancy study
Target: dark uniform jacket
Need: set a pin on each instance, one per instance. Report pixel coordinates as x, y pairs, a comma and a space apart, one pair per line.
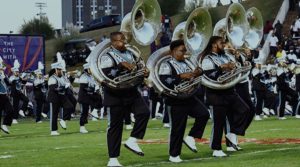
57, 89
169, 72
110, 65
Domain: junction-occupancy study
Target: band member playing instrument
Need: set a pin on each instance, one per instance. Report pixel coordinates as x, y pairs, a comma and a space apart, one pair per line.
57, 96
40, 91
5, 104
88, 96
17, 83
223, 102
283, 79
70, 94
242, 88
117, 61
172, 72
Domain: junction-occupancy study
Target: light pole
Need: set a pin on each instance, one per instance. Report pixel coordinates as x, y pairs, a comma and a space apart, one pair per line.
41, 5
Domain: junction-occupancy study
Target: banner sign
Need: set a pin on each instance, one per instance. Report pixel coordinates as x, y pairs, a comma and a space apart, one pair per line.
29, 50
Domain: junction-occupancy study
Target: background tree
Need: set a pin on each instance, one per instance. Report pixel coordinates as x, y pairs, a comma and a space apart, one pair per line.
38, 27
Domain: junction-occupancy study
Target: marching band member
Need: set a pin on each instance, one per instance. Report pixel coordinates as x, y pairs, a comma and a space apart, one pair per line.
70, 94
297, 86
88, 96
155, 99
40, 90
283, 79
68, 80
17, 95
172, 72
117, 61
270, 96
294, 67
57, 96
5, 104
259, 89
242, 89
223, 102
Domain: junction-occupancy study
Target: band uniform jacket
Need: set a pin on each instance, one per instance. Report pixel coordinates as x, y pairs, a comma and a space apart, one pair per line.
57, 89
110, 65
169, 72
88, 88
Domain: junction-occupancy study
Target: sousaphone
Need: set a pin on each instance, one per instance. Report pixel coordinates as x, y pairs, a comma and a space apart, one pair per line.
195, 32
235, 28
143, 24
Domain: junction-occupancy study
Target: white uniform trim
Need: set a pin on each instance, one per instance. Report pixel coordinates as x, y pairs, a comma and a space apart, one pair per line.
180, 67
106, 62
52, 81
207, 64
83, 79
165, 69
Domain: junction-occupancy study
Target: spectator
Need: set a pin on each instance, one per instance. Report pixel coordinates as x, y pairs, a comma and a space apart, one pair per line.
294, 29
273, 44
154, 46
280, 54
164, 39
278, 30
268, 27
167, 24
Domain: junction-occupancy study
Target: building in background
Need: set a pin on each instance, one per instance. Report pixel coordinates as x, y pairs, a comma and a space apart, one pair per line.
81, 12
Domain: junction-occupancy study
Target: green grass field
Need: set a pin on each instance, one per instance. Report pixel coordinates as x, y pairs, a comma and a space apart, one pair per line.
272, 142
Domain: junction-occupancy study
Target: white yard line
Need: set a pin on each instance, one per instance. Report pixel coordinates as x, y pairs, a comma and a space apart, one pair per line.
6, 156
64, 148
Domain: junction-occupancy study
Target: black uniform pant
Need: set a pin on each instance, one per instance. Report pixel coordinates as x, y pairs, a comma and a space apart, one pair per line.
259, 97
270, 101
16, 101
178, 115
84, 109
6, 106
55, 107
283, 98
153, 105
294, 101
115, 123
127, 118
72, 99
40, 107
94, 102
242, 90
236, 110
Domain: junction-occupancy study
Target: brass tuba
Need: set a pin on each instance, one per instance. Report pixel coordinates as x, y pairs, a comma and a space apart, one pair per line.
236, 25
255, 33
235, 28
143, 23
195, 32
